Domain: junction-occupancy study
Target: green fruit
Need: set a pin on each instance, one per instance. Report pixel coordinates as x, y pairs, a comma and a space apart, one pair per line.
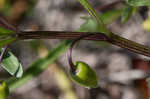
84, 75
3, 90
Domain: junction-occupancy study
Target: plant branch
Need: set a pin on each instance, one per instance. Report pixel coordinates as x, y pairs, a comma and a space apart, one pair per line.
130, 45
58, 35
114, 39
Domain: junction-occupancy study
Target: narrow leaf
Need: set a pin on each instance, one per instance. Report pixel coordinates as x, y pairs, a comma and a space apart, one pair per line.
11, 64
127, 12
4, 31
94, 14
7, 32
138, 2
91, 25
5, 40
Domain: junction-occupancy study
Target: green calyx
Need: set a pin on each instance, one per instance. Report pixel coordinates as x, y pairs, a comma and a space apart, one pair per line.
84, 75
3, 90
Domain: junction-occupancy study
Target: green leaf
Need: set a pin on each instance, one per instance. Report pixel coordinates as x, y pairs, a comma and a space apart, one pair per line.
127, 12
3, 90
6, 35
138, 2
96, 17
110, 16
91, 25
39, 66
4, 31
4, 40
11, 64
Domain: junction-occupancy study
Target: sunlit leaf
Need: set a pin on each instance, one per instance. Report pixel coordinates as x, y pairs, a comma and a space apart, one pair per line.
11, 64
138, 2
127, 12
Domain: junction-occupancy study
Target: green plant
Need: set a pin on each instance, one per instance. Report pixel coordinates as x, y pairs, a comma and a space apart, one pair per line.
99, 32
80, 72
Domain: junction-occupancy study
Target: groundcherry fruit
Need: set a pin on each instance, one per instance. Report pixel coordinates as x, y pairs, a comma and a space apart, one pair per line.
84, 75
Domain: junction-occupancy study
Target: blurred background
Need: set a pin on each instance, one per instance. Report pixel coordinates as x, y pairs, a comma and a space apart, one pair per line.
122, 74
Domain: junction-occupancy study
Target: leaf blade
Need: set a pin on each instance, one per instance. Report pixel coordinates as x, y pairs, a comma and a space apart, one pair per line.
94, 14
11, 64
138, 2
127, 12
91, 25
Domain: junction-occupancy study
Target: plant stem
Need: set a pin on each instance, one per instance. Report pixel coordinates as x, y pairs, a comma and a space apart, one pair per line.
114, 39
58, 35
130, 45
